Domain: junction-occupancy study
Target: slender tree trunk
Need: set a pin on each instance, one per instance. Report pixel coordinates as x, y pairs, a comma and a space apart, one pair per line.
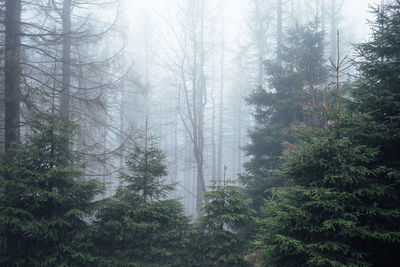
279, 37
175, 164
199, 105
234, 148
239, 150
322, 19
146, 149
12, 73
332, 38
220, 134
221, 104
186, 196
260, 43
314, 109
66, 60
338, 65
122, 127
214, 151
12, 89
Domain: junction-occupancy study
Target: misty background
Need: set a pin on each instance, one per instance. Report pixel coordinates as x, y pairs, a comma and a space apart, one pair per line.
136, 62
151, 33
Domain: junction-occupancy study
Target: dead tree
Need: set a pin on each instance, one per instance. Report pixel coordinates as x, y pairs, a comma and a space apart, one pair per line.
192, 97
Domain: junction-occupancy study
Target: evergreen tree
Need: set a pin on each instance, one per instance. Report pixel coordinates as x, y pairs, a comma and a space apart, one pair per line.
218, 240
44, 201
131, 228
147, 171
377, 93
341, 202
315, 220
292, 99
132, 232
378, 88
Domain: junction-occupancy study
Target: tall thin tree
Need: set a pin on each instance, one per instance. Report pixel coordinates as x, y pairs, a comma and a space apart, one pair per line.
66, 58
12, 72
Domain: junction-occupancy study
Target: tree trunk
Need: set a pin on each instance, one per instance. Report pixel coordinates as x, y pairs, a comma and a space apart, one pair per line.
261, 42
221, 104
199, 103
12, 72
322, 19
279, 29
66, 60
220, 137
214, 151
332, 38
239, 147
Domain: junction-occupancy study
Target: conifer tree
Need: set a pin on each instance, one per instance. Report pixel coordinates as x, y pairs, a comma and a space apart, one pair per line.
341, 202
147, 171
294, 78
135, 227
218, 240
44, 201
315, 220
132, 232
377, 93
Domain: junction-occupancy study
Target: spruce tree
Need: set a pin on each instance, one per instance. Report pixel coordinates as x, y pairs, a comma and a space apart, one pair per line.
146, 171
218, 240
291, 99
377, 93
341, 202
316, 219
44, 201
377, 90
135, 227
132, 232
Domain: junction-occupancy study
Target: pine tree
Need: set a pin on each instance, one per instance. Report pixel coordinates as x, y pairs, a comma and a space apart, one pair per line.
377, 93
315, 220
218, 240
44, 202
291, 99
134, 227
147, 171
132, 232
378, 88
341, 202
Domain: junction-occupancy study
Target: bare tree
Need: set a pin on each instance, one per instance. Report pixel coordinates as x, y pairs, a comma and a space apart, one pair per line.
192, 96
65, 48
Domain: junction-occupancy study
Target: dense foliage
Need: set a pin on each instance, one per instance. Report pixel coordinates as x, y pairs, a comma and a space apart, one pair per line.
146, 171
331, 187
316, 192
133, 230
294, 77
44, 201
340, 204
217, 239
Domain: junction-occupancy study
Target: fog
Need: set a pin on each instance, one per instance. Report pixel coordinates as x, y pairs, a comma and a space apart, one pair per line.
153, 31
199, 132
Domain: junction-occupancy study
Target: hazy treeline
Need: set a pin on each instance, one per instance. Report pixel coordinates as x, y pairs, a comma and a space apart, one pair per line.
198, 133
